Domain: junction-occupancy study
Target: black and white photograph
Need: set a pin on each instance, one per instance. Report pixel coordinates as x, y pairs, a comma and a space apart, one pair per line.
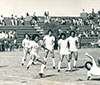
49, 42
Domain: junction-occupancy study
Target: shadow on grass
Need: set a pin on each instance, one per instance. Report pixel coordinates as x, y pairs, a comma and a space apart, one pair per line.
73, 70
80, 66
63, 67
3, 66
51, 75
45, 76
95, 79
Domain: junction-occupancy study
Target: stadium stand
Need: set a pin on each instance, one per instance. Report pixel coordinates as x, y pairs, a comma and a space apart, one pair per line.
78, 24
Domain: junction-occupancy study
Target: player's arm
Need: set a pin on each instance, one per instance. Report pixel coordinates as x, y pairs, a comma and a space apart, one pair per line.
68, 44
77, 43
42, 46
59, 47
23, 44
88, 55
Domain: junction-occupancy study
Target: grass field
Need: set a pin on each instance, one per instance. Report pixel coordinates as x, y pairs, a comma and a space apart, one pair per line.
13, 73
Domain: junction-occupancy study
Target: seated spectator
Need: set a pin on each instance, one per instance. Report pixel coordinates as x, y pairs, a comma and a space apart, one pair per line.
84, 34
63, 22
98, 42
10, 34
92, 33
2, 38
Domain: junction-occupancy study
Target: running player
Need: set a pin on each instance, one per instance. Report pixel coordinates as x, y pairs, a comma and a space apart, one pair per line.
64, 50
35, 46
73, 45
92, 67
49, 41
25, 44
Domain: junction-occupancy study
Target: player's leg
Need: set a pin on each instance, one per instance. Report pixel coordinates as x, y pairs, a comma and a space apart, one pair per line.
69, 57
46, 55
88, 75
43, 65
76, 58
53, 59
59, 64
31, 61
24, 57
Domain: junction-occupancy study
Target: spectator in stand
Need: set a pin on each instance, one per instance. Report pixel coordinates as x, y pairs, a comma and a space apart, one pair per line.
14, 43
16, 20
10, 34
12, 20
22, 20
92, 33
2, 38
60, 31
71, 27
98, 42
63, 22
34, 20
47, 18
27, 14
6, 41
2, 21
81, 21
97, 32
84, 34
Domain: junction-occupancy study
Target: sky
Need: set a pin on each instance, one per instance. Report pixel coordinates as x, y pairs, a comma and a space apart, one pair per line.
55, 7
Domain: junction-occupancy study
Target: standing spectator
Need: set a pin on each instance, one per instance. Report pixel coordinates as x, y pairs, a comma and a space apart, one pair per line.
12, 20
16, 20
22, 20
47, 18
2, 21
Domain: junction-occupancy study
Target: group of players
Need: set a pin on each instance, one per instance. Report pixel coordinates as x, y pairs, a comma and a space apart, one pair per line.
67, 47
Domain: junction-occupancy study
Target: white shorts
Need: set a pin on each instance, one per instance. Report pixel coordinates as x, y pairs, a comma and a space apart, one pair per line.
51, 48
64, 52
73, 50
32, 53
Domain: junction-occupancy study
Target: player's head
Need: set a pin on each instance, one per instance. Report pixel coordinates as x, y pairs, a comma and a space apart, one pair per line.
88, 65
72, 33
35, 37
62, 36
27, 36
50, 32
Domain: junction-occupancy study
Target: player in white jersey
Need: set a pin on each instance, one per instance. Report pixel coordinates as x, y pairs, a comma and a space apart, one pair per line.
35, 46
64, 50
92, 67
73, 45
49, 41
25, 44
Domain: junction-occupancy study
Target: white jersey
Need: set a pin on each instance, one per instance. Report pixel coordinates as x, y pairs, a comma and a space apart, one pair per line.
34, 47
49, 42
95, 70
72, 41
26, 43
63, 47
